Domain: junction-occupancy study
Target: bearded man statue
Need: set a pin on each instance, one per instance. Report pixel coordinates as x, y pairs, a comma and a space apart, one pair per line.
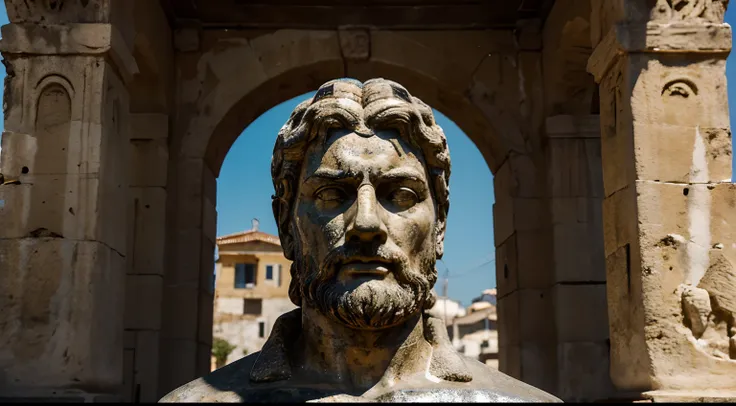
361, 175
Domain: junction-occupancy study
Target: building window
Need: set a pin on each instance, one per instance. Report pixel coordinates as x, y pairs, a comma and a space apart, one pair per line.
252, 306
261, 329
273, 274
245, 276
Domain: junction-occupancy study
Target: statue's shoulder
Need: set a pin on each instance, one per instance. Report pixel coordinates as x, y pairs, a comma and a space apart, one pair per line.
487, 377
229, 381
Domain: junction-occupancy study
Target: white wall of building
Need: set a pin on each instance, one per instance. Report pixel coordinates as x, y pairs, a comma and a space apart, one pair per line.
229, 305
242, 332
453, 308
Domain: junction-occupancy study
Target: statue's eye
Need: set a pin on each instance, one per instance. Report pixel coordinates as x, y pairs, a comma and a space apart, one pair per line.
398, 125
330, 195
403, 198
334, 124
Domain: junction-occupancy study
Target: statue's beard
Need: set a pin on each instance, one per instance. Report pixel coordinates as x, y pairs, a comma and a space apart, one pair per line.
372, 304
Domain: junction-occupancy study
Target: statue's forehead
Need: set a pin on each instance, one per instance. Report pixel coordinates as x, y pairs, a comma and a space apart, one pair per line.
351, 152
363, 94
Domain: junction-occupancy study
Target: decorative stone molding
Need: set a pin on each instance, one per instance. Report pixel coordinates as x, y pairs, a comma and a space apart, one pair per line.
569, 126
658, 38
689, 10
71, 39
58, 11
355, 43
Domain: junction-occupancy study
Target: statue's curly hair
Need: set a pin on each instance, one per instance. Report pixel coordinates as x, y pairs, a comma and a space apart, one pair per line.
307, 121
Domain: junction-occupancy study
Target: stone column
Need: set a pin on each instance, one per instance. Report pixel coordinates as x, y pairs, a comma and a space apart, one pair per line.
669, 207
188, 295
146, 259
63, 225
151, 93
522, 227
579, 294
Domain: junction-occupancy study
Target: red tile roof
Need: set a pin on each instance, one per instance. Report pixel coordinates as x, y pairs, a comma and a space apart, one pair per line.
248, 236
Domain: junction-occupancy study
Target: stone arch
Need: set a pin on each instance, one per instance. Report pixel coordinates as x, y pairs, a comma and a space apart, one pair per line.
303, 80
569, 88
486, 90
219, 102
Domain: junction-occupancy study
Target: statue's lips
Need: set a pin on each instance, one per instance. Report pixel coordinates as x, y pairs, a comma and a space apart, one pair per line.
377, 267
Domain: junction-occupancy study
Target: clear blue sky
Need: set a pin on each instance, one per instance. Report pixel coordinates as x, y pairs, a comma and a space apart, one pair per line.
244, 190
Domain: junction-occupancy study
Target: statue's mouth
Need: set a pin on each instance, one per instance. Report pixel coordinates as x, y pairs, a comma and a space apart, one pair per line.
365, 266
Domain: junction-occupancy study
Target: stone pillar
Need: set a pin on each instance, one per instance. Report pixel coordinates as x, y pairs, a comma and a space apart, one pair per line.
62, 227
522, 230
188, 294
151, 95
523, 256
669, 207
575, 187
188, 290
145, 264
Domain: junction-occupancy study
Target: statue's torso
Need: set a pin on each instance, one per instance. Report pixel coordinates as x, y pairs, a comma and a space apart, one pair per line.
232, 384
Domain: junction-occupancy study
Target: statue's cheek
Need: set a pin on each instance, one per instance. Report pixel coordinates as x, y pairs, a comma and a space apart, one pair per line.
334, 230
413, 227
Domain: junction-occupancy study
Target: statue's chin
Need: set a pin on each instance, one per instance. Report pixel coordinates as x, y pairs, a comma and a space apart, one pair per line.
370, 305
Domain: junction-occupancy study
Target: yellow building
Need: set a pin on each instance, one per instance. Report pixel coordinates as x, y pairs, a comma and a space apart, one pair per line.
251, 289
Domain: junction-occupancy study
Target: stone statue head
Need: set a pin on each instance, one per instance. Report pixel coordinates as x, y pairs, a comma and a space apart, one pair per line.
361, 175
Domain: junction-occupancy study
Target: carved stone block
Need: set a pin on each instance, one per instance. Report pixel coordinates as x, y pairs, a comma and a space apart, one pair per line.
355, 44
58, 11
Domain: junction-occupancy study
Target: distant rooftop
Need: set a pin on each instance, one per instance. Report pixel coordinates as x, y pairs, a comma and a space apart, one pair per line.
474, 317
488, 296
248, 236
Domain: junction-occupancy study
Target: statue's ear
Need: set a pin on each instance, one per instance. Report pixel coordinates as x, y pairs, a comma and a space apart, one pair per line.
281, 214
287, 244
440, 238
442, 208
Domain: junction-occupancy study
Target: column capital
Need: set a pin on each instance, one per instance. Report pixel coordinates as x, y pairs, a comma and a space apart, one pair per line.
573, 126
655, 38
70, 39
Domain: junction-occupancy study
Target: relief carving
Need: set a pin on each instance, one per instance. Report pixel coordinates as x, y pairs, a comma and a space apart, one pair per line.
710, 309
355, 44
57, 11
54, 5
680, 95
680, 87
712, 11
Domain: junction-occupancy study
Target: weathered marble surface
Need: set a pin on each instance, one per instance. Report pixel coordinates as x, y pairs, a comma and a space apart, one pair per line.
234, 382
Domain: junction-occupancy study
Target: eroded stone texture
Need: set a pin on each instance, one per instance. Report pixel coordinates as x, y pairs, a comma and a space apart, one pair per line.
668, 211
697, 309
361, 176
63, 222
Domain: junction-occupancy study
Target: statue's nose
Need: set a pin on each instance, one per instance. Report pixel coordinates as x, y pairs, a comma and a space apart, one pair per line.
367, 225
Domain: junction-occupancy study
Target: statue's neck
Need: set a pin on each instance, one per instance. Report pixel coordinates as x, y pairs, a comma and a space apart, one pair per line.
360, 359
